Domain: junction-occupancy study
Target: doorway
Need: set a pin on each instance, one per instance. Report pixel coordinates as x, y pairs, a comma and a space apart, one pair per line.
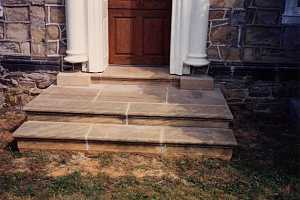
139, 32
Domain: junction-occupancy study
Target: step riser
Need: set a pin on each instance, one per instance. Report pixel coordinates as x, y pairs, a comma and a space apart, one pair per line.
99, 147
136, 82
148, 121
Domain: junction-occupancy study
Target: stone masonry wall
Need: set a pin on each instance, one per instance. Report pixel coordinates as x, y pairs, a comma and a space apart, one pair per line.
251, 31
33, 28
241, 31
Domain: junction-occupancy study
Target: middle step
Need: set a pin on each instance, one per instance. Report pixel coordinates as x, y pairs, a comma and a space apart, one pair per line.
131, 104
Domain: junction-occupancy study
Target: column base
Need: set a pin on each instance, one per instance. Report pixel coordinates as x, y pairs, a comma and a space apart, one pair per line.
76, 59
196, 62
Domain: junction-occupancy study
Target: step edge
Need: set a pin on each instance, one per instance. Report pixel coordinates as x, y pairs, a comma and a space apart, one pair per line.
128, 142
33, 111
84, 137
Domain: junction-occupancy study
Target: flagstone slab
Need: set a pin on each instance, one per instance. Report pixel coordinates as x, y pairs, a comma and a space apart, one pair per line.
180, 111
52, 130
203, 136
133, 93
132, 104
125, 133
123, 72
205, 97
70, 106
71, 93
88, 137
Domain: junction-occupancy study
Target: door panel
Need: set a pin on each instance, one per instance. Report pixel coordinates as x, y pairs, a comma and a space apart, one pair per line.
156, 4
141, 4
139, 35
125, 28
153, 41
128, 4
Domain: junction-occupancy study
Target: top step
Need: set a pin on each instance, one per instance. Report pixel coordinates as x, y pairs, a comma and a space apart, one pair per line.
158, 105
135, 75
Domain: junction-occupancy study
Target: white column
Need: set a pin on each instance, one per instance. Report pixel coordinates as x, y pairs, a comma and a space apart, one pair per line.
179, 35
197, 55
97, 27
76, 31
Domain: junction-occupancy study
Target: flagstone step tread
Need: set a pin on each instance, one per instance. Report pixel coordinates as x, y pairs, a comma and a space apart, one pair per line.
132, 100
135, 73
126, 133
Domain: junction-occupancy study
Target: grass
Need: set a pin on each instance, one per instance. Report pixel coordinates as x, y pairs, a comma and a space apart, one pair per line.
195, 179
265, 167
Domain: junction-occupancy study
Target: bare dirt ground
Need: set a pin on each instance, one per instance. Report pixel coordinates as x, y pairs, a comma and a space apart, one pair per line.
265, 166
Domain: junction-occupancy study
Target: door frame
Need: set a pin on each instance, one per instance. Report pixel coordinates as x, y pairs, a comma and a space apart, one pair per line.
185, 49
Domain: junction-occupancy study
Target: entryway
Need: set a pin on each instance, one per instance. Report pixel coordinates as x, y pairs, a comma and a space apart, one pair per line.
139, 32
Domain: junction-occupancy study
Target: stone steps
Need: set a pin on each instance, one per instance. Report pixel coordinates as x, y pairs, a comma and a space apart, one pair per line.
130, 110
135, 75
92, 138
132, 105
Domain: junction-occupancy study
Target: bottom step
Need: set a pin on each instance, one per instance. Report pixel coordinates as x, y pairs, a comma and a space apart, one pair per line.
208, 142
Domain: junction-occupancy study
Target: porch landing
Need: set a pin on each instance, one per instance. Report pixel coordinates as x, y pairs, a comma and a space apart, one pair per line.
131, 117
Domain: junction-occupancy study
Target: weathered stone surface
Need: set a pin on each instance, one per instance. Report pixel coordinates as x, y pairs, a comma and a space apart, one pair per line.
5, 139
223, 35
16, 1
57, 14
231, 53
179, 111
37, 16
53, 32
197, 83
213, 53
227, 3
9, 48
18, 31
195, 97
216, 14
1, 30
54, 1
93, 136
17, 13
38, 49
238, 17
25, 48
2, 97
52, 48
133, 93
268, 4
37, 2
38, 34
73, 79
267, 17
263, 36
291, 38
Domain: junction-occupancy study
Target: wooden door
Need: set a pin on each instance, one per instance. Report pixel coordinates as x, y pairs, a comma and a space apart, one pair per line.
139, 32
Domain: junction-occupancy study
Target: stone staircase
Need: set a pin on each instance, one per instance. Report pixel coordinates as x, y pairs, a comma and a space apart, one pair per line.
130, 113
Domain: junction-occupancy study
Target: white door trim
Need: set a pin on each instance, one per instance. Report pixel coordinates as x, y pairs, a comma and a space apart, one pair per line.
188, 36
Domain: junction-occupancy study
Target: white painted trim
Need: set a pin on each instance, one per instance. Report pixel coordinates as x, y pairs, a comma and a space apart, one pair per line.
76, 31
97, 28
198, 29
179, 35
188, 34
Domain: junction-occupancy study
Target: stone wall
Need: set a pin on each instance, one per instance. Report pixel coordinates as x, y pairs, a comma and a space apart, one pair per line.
33, 28
18, 88
242, 31
251, 31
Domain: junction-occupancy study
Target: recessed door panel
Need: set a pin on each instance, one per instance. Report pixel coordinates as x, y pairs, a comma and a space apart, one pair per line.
139, 34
